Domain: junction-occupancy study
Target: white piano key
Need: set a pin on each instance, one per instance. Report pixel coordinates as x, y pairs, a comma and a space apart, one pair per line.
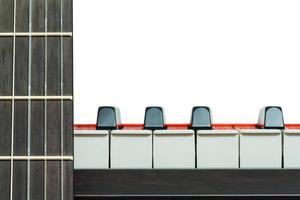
260, 148
291, 149
217, 149
131, 149
174, 149
91, 149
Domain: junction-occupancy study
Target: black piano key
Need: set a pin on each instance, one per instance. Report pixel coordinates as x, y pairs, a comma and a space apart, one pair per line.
108, 118
154, 118
271, 117
201, 118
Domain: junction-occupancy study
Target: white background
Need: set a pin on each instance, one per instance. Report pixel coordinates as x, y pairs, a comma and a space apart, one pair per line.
233, 55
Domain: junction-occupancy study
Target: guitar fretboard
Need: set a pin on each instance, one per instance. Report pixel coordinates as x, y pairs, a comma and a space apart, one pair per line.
36, 99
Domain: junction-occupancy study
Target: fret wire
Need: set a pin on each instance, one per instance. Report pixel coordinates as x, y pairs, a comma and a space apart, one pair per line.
13, 103
61, 103
36, 34
36, 97
28, 158
29, 100
45, 103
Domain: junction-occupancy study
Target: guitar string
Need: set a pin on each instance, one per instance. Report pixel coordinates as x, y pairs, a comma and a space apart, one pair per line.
29, 101
13, 103
61, 102
45, 103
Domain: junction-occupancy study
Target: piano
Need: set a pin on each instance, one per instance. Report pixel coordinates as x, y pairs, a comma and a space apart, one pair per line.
111, 160
199, 160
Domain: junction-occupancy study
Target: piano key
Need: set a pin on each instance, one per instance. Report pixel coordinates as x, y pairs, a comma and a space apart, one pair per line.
108, 118
154, 118
131, 149
291, 148
260, 148
271, 117
217, 149
201, 118
91, 149
174, 149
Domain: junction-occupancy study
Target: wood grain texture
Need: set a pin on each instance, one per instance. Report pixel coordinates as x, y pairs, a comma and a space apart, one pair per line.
54, 14
21, 107
5, 179
6, 15
37, 179
105, 183
37, 108
20, 180
190, 198
37, 111
68, 180
38, 16
53, 180
68, 127
22, 16
5, 106
6, 49
67, 16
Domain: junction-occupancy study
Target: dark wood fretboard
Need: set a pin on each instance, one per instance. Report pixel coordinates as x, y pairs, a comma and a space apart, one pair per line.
36, 99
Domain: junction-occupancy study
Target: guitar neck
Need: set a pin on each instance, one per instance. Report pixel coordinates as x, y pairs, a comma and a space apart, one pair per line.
36, 107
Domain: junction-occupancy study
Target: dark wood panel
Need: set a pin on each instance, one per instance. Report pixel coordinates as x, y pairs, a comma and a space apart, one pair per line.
54, 14
6, 49
53, 180
53, 148
37, 180
54, 66
38, 66
68, 127
20, 180
20, 148
21, 66
68, 65
20, 128
5, 128
186, 182
37, 128
22, 15
67, 16
191, 198
5, 106
5, 179
38, 15
68, 180
37, 170
6, 15
53, 128
21, 107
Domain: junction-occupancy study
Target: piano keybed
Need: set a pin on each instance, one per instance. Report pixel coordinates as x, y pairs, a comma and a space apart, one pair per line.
200, 160
200, 145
